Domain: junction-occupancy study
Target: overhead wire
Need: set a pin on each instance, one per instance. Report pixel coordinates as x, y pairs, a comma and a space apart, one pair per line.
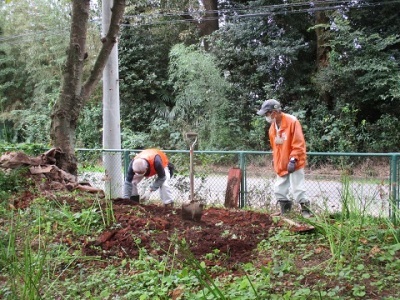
270, 11
32, 34
247, 12
268, 7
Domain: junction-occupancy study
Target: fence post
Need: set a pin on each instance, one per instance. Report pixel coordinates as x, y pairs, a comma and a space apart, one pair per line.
394, 203
127, 160
243, 185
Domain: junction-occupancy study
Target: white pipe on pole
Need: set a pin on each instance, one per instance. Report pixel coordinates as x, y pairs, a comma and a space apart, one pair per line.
111, 114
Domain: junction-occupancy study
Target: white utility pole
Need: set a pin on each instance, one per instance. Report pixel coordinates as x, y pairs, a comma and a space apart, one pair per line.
111, 114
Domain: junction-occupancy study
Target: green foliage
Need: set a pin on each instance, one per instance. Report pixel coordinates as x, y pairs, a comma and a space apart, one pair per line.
161, 135
385, 134
363, 61
12, 182
37, 55
135, 140
146, 94
29, 149
25, 267
85, 221
363, 73
355, 94
333, 132
41, 258
261, 58
32, 54
201, 103
89, 131
166, 135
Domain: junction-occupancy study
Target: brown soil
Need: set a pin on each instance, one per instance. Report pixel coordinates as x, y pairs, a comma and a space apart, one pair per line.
231, 233
235, 233
231, 237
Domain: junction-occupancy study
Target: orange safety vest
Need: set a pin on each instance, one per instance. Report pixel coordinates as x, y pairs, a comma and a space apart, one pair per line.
293, 145
149, 155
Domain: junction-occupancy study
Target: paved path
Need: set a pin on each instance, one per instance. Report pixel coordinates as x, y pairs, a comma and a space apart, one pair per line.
373, 198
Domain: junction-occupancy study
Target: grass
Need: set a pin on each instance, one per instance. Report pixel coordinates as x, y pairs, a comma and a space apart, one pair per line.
351, 255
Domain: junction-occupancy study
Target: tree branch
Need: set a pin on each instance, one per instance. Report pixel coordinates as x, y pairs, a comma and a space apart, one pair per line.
108, 43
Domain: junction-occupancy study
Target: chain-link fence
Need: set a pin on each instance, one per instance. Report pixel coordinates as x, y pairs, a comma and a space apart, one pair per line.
367, 182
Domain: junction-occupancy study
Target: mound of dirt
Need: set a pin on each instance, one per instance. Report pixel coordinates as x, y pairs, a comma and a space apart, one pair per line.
44, 171
223, 236
233, 234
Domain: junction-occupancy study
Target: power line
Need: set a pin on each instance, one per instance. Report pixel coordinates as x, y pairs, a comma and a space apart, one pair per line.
289, 8
236, 9
32, 34
350, 4
271, 10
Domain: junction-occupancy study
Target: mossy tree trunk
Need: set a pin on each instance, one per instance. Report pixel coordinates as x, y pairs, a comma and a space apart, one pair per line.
75, 91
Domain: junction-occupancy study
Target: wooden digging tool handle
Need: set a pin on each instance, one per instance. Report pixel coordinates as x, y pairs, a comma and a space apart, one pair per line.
299, 227
290, 222
192, 135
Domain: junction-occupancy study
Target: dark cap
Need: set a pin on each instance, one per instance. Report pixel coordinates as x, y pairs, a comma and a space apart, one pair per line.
269, 105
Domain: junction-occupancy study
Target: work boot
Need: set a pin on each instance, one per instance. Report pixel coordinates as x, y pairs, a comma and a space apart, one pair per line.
305, 210
135, 199
285, 205
169, 205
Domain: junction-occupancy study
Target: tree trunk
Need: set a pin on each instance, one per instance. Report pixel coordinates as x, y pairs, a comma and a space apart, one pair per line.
74, 94
209, 23
321, 31
321, 20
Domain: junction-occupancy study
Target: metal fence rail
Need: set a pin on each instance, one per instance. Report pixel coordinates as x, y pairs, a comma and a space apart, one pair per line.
366, 181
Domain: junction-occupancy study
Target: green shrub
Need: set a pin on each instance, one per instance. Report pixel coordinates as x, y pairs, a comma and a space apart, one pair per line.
27, 148
12, 182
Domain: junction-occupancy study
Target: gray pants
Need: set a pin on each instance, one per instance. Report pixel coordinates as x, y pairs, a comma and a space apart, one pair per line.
293, 181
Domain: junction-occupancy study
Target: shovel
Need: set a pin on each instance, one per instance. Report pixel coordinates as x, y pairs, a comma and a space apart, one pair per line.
297, 227
194, 209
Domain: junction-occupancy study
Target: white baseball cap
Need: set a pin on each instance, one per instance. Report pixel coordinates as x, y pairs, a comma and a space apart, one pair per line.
139, 166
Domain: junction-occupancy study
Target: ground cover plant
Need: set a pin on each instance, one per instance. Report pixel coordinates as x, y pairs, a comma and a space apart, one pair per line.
69, 245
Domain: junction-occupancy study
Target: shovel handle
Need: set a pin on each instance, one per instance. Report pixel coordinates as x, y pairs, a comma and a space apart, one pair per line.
191, 135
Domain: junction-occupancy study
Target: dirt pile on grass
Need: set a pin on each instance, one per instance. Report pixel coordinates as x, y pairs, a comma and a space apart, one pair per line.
231, 234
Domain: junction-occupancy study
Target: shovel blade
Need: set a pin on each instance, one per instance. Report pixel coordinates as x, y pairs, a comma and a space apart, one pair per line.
192, 211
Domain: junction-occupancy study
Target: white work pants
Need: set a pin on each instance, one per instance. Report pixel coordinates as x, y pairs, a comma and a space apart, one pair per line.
293, 182
165, 189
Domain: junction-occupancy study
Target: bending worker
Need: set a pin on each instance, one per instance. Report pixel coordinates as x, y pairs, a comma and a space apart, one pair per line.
289, 156
148, 163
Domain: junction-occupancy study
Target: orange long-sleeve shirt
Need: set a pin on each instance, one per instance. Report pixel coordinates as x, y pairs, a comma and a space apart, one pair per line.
287, 142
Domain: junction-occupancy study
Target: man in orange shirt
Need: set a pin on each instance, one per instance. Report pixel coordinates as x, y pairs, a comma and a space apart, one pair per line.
148, 163
289, 156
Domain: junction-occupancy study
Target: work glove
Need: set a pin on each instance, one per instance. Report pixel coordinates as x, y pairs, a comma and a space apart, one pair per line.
291, 167
146, 195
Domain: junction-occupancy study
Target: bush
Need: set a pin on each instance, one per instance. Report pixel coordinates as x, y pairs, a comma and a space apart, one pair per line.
12, 182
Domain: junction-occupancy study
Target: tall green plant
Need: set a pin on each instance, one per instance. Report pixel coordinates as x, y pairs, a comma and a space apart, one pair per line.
24, 267
344, 230
201, 103
146, 94
199, 270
